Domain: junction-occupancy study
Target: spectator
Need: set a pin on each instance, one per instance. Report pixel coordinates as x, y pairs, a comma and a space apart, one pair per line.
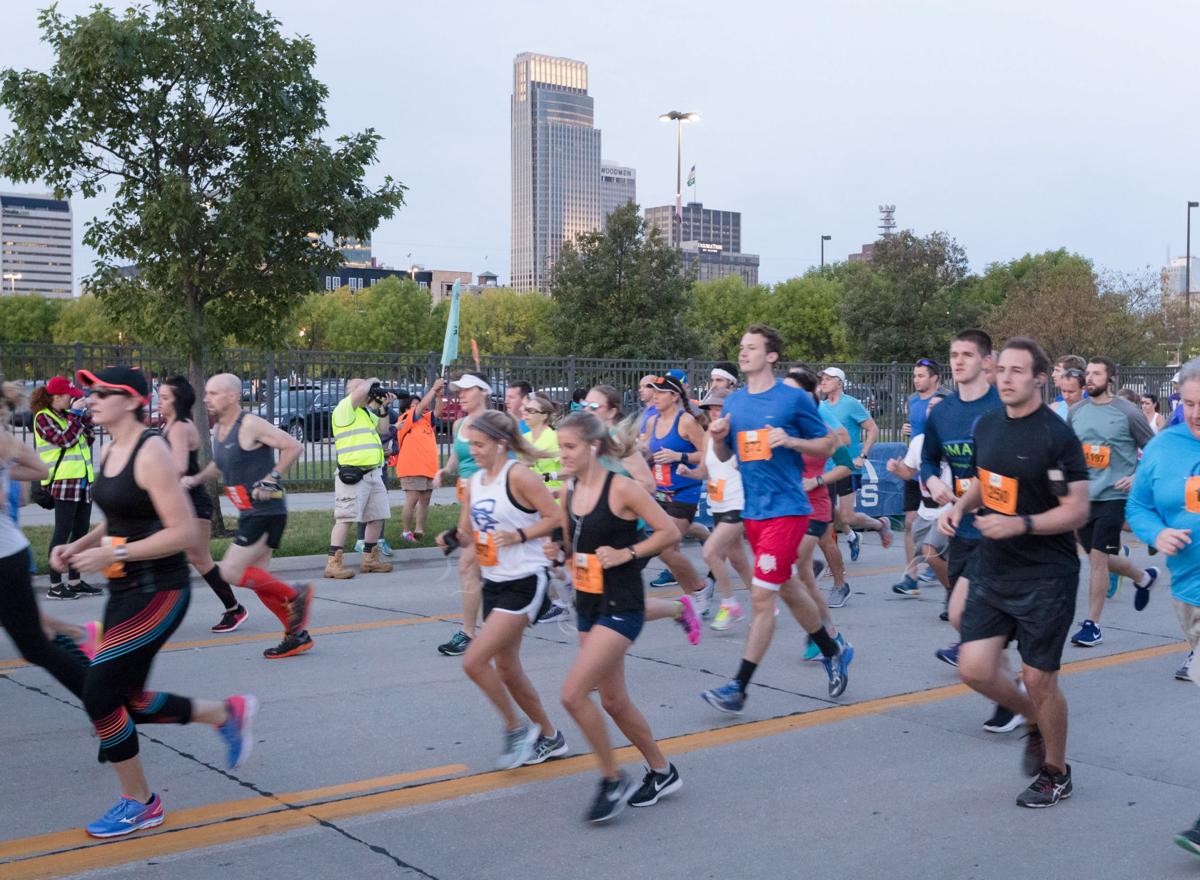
417, 459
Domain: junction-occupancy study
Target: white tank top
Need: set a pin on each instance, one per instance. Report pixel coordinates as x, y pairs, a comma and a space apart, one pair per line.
12, 539
493, 509
724, 482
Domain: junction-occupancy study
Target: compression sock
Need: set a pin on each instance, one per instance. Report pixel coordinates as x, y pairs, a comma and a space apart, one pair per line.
221, 587
828, 646
744, 673
275, 594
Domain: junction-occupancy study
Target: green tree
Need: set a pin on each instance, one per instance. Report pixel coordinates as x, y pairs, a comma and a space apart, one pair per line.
28, 318
620, 294
807, 311
392, 315
85, 320
506, 322
719, 310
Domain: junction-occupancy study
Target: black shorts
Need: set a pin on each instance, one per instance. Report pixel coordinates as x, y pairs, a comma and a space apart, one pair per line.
912, 496
678, 510
727, 516
1102, 531
1037, 612
845, 486
251, 528
202, 502
816, 528
526, 596
960, 560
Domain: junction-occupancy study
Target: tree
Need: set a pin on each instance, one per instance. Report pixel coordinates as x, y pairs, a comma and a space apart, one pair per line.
620, 294
28, 318
807, 311
506, 322
85, 320
719, 310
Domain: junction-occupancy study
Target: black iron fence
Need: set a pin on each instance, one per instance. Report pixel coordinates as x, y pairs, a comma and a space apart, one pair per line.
297, 390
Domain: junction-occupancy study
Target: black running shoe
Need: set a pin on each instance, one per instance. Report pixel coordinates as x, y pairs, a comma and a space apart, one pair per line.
292, 644
86, 589
548, 747
61, 591
611, 797
1047, 790
1003, 720
231, 620
1190, 839
655, 786
1035, 752
456, 645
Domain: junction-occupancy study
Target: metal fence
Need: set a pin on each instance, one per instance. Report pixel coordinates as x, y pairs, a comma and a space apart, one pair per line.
297, 390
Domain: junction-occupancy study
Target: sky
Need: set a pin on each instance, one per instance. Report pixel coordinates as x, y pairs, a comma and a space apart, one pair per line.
1013, 126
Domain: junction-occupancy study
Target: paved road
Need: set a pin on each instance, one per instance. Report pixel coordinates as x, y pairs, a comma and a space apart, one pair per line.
374, 756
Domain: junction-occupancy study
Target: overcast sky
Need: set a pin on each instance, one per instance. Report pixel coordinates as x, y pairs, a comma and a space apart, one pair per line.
1013, 126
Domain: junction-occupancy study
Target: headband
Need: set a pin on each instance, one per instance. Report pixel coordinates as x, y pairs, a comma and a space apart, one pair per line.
718, 373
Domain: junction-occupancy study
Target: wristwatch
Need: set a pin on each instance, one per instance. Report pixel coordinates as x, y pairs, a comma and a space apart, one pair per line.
820, 479
120, 553
1028, 520
632, 554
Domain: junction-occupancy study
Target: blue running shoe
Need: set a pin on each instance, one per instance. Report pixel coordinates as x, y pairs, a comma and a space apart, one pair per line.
907, 587
811, 651
1114, 580
837, 667
666, 579
949, 655
238, 729
728, 698
385, 548
855, 545
360, 545
128, 816
1141, 595
1088, 636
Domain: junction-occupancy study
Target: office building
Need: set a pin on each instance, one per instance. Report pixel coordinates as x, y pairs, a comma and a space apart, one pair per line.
710, 241
555, 164
1173, 276
35, 245
618, 187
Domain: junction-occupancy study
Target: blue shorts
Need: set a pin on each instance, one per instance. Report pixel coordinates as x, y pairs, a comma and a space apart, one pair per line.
627, 623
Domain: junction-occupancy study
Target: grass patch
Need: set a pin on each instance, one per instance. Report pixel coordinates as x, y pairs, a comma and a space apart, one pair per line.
307, 534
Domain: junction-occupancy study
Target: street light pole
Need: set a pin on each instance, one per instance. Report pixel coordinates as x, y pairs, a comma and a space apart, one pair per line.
679, 118
824, 238
1187, 264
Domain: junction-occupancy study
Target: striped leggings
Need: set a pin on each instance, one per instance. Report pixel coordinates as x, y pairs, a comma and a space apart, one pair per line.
136, 625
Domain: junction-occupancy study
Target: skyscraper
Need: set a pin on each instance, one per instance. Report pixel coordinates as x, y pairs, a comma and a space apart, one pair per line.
709, 241
618, 187
555, 164
35, 245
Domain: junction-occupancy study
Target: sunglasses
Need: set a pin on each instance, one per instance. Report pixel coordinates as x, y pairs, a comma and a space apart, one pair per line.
1074, 374
106, 393
536, 411
926, 362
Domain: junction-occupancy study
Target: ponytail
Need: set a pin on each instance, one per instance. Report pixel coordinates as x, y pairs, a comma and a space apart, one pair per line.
502, 427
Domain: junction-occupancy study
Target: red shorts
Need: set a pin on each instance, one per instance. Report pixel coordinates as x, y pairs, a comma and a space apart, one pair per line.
775, 543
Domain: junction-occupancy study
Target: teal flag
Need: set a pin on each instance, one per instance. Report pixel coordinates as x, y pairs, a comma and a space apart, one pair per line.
450, 344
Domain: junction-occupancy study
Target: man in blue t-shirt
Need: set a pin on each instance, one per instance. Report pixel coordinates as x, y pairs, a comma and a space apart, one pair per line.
769, 426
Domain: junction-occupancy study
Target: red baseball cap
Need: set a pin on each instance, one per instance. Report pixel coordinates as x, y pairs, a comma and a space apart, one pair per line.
59, 385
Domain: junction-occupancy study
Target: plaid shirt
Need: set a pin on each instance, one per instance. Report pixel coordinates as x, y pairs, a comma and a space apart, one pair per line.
67, 490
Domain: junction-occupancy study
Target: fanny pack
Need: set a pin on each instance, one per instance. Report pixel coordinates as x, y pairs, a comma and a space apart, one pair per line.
349, 474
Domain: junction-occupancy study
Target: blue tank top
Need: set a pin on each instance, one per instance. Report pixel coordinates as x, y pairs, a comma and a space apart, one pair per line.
672, 486
462, 449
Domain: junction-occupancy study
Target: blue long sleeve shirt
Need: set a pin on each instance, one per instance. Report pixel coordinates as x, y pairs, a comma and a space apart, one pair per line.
1166, 494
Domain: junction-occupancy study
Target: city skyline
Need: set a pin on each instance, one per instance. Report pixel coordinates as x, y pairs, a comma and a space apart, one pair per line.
1013, 127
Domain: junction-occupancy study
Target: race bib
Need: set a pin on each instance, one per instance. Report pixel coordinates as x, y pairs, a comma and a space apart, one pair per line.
754, 445
662, 475
460, 490
961, 485
999, 492
716, 490
1096, 456
1191, 502
116, 571
485, 549
589, 575
240, 497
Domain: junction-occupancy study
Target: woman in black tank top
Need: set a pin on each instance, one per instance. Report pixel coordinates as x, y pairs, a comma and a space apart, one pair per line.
148, 524
600, 516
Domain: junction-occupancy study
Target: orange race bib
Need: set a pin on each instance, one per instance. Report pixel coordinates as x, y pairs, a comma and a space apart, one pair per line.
1096, 456
961, 485
1191, 500
662, 475
716, 491
754, 445
116, 571
240, 497
999, 492
460, 491
485, 549
589, 576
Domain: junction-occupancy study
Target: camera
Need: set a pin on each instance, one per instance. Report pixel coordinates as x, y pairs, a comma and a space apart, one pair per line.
378, 393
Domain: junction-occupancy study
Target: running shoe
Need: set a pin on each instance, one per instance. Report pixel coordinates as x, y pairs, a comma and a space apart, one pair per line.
1047, 790
93, 633
127, 816
1034, 755
409, 537
611, 798
811, 651
360, 546
456, 646
838, 596
1183, 673
665, 579
928, 577
949, 655
727, 615
384, 547
518, 746
231, 620
837, 667
818, 566
1003, 720
704, 599
907, 587
61, 591
299, 607
548, 747
1190, 839
655, 786
556, 611
855, 545
1088, 635
728, 698
83, 588
1141, 595
1114, 580
238, 729
885, 532
292, 644
945, 614
689, 621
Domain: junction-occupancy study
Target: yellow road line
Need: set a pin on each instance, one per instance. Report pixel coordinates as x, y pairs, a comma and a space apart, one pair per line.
246, 828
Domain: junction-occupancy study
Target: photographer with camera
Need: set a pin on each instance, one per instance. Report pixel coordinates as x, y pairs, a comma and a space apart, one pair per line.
359, 423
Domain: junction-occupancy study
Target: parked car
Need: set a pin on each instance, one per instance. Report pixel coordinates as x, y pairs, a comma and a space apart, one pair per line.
305, 414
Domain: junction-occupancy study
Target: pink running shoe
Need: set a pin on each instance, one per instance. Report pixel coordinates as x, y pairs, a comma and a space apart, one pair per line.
689, 620
93, 632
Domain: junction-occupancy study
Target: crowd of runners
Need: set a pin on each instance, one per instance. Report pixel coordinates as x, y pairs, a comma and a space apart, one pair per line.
560, 515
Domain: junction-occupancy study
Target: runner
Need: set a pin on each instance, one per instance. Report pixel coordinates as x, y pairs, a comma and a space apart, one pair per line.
1149, 406
604, 402
1167, 518
646, 398
539, 411
1112, 430
927, 376
515, 396
853, 416
148, 524
176, 401
1031, 490
723, 377
507, 512
244, 448
600, 523
770, 426
1070, 386
473, 395
417, 459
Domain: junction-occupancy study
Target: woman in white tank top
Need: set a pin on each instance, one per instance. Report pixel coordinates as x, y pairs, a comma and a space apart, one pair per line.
507, 512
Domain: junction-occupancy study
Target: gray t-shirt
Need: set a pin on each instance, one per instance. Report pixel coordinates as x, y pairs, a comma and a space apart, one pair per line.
1111, 434
12, 539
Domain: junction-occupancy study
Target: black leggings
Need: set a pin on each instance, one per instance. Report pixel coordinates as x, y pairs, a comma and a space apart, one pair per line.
72, 519
19, 616
136, 625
